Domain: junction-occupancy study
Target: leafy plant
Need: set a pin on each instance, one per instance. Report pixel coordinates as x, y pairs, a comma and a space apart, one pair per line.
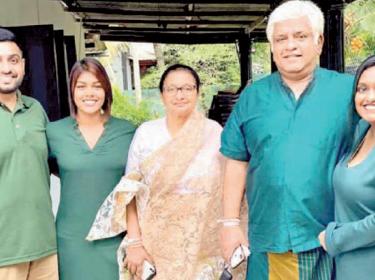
217, 66
359, 31
124, 107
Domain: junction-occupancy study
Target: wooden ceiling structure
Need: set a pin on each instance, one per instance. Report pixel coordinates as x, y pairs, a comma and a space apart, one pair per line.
198, 22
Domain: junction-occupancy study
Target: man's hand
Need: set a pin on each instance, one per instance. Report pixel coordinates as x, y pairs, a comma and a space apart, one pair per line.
234, 187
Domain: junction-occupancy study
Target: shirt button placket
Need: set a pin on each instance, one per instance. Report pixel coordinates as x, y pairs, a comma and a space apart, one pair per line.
17, 128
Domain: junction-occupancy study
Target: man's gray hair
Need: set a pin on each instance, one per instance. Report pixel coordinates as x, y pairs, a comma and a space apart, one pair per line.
295, 9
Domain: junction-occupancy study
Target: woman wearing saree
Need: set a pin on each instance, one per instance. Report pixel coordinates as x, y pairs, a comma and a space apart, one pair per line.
170, 197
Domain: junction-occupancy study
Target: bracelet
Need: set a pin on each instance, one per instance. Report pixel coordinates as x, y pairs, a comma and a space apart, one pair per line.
133, 242
229, 222
136, 245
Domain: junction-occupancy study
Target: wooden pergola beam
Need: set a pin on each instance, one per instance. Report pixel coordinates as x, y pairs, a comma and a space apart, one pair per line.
161, 29
200, 22
182, 38
165, 21
181, 1
116, 11
173, 38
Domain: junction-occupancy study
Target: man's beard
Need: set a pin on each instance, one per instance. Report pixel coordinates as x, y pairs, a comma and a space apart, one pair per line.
11, 88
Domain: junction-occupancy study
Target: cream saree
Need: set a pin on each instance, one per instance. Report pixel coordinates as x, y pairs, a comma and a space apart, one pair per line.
178, 189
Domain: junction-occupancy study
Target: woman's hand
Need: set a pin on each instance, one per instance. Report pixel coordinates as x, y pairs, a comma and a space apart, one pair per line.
322, 239
135, 256
230, 239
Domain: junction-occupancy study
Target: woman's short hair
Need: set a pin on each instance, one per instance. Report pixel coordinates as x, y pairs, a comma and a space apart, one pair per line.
93, 66
175, 67
295, 9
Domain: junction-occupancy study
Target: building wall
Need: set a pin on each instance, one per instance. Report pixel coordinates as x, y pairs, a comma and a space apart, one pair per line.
34, 12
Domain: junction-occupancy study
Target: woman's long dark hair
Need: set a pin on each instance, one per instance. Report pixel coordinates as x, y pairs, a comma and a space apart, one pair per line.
367, 63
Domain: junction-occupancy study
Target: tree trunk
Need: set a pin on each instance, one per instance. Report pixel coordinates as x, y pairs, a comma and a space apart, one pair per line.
159, 55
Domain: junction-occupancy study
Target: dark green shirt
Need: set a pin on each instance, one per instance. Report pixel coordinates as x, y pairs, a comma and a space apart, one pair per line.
292, 147
27, 230
87, 177
351, 239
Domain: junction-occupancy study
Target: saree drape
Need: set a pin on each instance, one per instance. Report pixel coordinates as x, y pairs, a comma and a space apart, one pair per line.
178, 191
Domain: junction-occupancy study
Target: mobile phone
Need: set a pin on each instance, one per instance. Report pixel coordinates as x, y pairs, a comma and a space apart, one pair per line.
149, 271
239, 255
226, 275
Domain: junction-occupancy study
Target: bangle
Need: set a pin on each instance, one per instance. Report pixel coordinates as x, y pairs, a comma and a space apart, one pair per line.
229, 222
133, 242
136, 245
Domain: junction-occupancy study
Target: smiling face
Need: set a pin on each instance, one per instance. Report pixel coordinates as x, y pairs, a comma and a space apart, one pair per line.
88, 94
180, 93
12, 67
294, 49
365, 95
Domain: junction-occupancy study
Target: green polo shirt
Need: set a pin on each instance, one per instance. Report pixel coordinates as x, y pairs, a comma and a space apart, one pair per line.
27, 230
292, 147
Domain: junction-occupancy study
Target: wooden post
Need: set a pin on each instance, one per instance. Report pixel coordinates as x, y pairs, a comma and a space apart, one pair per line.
71, 53
40, 80
62, 75
333, 50
244, 44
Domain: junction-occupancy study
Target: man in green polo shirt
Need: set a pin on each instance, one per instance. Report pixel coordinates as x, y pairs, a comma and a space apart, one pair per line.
282, 142
27, 231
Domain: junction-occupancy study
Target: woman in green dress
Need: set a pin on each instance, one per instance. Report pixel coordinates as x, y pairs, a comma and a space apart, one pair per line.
90, 149
351, 238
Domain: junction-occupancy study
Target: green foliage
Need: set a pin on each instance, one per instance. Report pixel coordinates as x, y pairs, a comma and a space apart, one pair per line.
152, 78
124, 107
359, 31
217, 66
261, 60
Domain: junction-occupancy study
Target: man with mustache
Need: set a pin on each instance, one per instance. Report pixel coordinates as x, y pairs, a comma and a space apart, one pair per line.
282, 142
27, 231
